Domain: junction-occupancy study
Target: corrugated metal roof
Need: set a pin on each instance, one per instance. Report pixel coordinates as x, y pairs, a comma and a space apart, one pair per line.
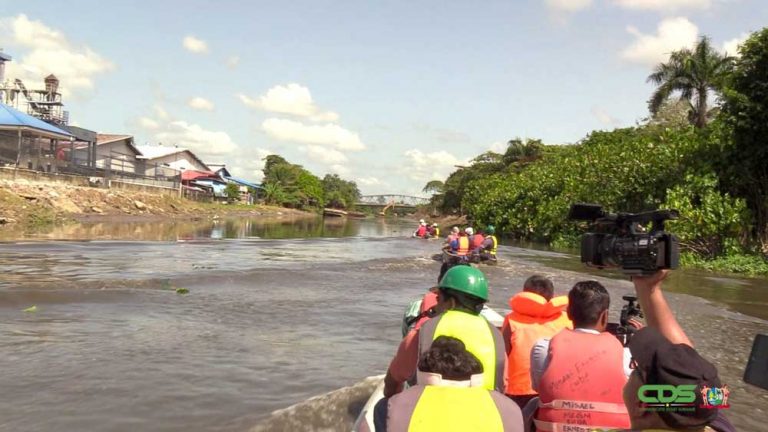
13, 118
154, 152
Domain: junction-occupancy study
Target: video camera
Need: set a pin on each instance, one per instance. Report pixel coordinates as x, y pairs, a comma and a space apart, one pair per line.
621, 240
623, 330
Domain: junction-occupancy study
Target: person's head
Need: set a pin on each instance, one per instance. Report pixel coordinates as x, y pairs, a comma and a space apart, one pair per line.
449, 357
469, 231
660, 362
421, 221
588, 303
540, 285
462, 287
434, 225
490, 230
455, 230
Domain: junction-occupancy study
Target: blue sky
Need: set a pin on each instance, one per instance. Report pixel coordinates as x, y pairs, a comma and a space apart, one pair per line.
389, 94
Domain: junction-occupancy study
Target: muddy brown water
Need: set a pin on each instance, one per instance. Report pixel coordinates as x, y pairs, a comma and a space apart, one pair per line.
276, 313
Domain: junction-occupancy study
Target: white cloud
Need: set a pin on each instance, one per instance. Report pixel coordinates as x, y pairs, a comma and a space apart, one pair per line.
568, 6
663, 5
419, 166
671, 34
603, 117
369, 181
318, 153
249, 163
293, 99
498, 147
341, 170
233, 62
147, 123
194, 137
201, 104
45, 51
195, 45
330, 135
731, 47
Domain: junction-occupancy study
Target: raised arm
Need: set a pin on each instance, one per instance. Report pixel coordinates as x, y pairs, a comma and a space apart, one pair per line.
656, 309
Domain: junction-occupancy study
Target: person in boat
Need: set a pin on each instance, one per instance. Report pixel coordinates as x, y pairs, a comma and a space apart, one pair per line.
462, 293
476, 240
456, 254
434, 231
536, 314
449, 397
421, 231
663, 355
580, 373
487, 250
453, 235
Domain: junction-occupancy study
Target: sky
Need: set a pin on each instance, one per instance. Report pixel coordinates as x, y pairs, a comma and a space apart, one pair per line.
390, 94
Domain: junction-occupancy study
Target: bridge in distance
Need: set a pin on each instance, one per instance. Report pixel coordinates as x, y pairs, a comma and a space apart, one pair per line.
396, 202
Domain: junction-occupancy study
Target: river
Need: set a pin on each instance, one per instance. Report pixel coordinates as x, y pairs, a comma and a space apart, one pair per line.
276, 313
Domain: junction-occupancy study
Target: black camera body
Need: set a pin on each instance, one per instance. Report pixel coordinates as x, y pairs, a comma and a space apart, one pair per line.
621, 240
623, 330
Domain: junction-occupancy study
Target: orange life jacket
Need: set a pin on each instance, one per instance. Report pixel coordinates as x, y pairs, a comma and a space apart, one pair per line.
532, 318
581, 389
463, 249
477, 241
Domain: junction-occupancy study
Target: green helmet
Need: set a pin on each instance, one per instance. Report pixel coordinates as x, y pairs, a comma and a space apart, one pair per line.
465, 279
490, 229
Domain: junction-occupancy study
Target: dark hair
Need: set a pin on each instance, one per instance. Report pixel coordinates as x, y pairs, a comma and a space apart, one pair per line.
540, 285
449, 357
586, 301
465, 302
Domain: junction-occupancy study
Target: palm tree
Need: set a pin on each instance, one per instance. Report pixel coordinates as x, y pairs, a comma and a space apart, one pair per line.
693, 73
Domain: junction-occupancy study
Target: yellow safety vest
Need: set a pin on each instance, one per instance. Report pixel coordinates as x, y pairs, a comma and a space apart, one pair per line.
495, 245
455, 409
476, 333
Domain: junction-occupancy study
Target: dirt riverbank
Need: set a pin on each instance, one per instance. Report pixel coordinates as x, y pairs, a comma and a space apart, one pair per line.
25, 204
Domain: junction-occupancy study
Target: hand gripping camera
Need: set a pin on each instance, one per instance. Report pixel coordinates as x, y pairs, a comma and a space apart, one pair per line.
623, 330
621, 240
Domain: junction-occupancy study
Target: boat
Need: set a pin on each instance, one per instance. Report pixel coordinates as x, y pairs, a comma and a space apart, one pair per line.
366, 415
330, 212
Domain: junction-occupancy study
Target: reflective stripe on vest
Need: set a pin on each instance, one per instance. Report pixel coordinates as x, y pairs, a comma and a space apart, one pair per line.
479, 337
582, 386
495, 245
437, 232
463, 246
455, 409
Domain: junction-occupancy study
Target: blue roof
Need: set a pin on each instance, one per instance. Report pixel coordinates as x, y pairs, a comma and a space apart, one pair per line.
243, 182
17, 119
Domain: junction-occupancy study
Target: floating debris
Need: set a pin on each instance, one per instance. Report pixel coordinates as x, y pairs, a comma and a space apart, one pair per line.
30, 309
182, 291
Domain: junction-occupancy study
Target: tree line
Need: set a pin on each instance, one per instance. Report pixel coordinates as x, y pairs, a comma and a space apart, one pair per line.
290, 185
702, 150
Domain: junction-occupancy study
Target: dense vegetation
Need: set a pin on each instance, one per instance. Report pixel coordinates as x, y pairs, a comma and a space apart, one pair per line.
706, 160
291, 185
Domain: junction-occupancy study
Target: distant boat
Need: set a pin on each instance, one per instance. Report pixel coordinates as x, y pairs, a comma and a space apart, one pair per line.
334, 212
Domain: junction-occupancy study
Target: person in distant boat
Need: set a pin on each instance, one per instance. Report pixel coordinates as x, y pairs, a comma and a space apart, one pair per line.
454, 234
476, 240
433, 231
536, 314
487, 249
449, 397
603, 364
462, 293
460, 246
421, 231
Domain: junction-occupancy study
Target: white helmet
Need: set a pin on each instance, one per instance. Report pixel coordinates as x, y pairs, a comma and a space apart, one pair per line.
421, 221
455, 229
469, 231
434, 225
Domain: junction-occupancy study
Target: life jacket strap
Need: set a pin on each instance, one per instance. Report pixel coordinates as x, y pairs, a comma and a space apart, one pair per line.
571, 405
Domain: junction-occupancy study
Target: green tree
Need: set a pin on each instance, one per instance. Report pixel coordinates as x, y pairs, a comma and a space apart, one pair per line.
232, 191
434, 187
744, 168
692, 73
274, 193
340, 193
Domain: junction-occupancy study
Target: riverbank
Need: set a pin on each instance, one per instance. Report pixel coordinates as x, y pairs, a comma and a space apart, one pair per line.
29, 205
